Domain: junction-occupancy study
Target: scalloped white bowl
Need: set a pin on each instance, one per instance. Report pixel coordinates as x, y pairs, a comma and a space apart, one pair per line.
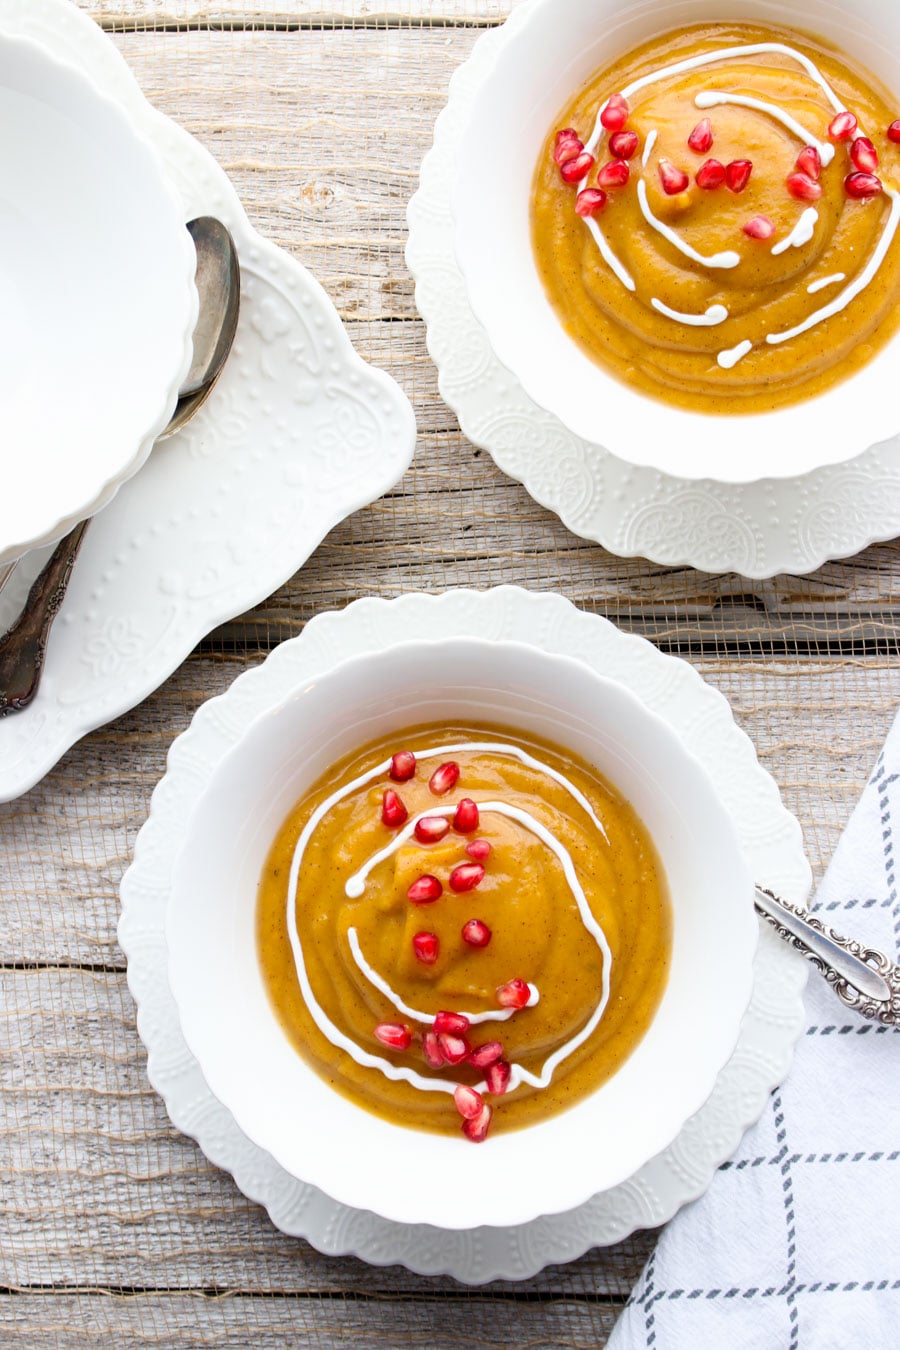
559, 46
316, 1134
97, 297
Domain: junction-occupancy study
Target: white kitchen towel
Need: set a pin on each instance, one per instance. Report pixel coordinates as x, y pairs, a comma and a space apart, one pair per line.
796, 1244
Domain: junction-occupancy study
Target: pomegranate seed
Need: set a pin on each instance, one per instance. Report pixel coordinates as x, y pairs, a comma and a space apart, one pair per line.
476, 933
862, 186
456, 1023
590, 201
477, 1129
701, 138
394, 1035
615, 114
479, 849
624, 144
403, 766
842, 127
485, 1055
454, 1049
469, 1103
498, 1077
466, 877
893, 132
393, 812
674, 180
513, 994
424, 890
737, 174
466, 818
864, 155
432, 1050
444, 778
426, 948
568, 145
711, 175
614, 174
575, 169
760, 227
431, 828
801, 186
809, 161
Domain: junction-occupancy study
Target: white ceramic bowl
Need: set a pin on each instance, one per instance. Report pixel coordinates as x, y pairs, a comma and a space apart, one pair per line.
286, 1108
97, 297
562, 43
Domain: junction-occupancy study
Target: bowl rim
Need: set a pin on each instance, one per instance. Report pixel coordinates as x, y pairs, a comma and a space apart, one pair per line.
227, 1089
686, 444
49, 520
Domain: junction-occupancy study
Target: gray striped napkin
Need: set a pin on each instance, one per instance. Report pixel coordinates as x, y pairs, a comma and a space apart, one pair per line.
796, 1243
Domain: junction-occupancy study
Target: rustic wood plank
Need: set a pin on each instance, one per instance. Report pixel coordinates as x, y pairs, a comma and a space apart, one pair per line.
86, 1147
235, 1322
145, 15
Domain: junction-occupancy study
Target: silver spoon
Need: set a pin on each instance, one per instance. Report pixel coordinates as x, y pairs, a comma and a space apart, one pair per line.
23, 647
863, 979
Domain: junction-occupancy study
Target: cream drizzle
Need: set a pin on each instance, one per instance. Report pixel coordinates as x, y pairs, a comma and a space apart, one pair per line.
609, 257
518, 1074
727, 259
856, 286
381, 984
802, 232
714, 98
820, 285
716, 314
728, 359
332, 1033
726, 54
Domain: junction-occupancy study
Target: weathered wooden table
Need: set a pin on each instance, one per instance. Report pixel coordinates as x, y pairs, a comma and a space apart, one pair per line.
115, 1230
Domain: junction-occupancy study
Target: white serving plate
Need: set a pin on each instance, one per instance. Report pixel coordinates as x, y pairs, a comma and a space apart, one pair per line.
757, 529
298, 433
290, 1110
544, 62
769, 837
97, 296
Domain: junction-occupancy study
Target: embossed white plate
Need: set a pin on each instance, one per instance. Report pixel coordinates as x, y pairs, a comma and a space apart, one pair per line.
769, 835
298, 433
757, 529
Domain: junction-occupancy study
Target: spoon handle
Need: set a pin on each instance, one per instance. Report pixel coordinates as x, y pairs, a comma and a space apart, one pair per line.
23, 646
864, 979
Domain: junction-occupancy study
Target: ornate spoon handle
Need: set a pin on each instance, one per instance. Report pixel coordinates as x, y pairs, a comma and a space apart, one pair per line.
22, 648
864, 979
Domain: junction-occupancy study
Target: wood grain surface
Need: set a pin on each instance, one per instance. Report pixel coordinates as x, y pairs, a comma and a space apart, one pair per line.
114, 1230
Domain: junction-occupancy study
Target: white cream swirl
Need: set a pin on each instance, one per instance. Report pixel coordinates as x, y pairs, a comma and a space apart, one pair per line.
355, 885
800, 235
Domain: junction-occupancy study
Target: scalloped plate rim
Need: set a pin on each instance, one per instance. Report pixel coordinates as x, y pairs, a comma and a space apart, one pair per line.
435, 184
387, 1249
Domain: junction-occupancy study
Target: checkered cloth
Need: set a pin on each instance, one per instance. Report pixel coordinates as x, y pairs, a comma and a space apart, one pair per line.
796, 1244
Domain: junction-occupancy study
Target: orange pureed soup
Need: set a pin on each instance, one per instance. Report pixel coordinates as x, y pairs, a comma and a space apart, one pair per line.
715, 214
472, 929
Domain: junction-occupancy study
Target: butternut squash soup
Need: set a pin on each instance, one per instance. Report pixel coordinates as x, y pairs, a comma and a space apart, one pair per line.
464, 924
715, 217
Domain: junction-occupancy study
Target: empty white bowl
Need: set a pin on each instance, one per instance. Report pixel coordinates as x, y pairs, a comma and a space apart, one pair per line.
560, 46
321, 1137
97, 297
